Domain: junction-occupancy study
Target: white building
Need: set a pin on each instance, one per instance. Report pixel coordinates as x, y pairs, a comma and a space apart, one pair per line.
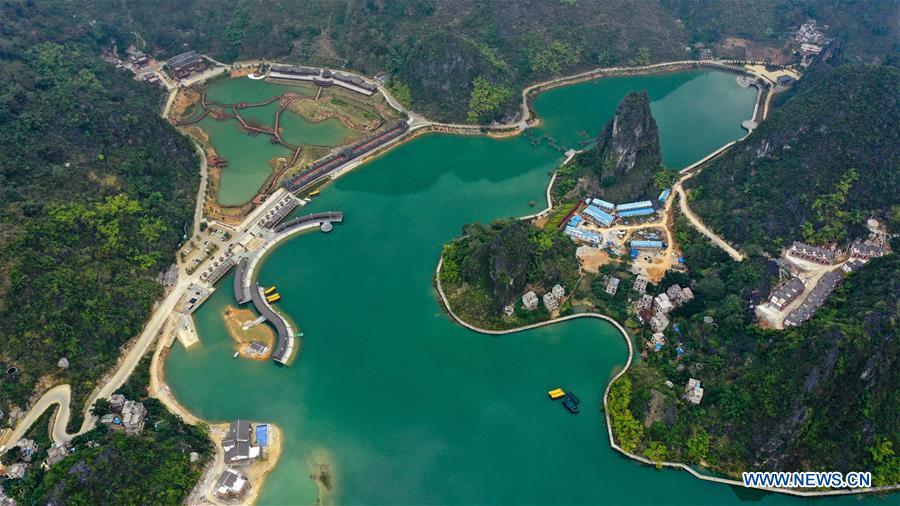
693, 392
645, 301
659, 322
558, 291
231, 484
612, 286
551, 302
640, 284
662, 303
530, 301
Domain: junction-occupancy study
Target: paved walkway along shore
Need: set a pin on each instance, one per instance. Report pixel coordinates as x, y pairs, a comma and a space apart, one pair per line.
612, 440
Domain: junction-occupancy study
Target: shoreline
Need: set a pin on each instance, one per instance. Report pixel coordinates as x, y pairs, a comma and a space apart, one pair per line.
201, 493
445, 303
527, 116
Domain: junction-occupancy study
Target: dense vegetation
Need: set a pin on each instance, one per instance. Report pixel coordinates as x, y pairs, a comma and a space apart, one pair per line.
490, 267
435, 51
816, 169
820, 396
108, 467
622, 164
94, 192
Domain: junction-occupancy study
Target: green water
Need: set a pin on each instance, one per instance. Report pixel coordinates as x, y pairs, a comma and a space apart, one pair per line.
247, 155
411, 408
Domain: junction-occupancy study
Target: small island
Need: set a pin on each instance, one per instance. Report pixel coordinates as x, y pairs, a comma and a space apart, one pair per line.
572, 257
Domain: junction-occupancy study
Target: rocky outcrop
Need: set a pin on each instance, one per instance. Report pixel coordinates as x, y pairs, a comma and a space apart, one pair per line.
626, 154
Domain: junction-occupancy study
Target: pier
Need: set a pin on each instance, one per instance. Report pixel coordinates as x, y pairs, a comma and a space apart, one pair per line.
245, 290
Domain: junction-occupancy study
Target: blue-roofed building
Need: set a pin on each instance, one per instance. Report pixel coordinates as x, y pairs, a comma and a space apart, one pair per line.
574, 221
602, 204
584, 235
644, 211
634, 205
664, 195
647, 244
599, 215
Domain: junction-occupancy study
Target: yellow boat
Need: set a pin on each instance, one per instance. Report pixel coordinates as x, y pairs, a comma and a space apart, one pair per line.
270, 290
273, 298
313, 194
556, 394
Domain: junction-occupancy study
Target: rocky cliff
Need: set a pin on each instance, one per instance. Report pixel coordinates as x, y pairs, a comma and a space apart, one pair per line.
626, 154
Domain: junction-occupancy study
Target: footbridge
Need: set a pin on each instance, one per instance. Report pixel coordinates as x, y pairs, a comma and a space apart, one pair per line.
285, 346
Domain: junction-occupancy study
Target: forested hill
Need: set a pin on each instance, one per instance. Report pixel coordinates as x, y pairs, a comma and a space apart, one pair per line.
95, 189
437, 53
822, 163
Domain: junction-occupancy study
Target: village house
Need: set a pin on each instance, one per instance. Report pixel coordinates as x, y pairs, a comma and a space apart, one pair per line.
116, 401
662, 303
612, 286
530, 301
550, 302
238, 443
852, 265
640, 284
16, 471
693, 392
231, 485
127, 415
657, 341
659, 322
55, 454
645, 302
674, 294
133, 416
786, 293
558, 291
812, 253
27, 448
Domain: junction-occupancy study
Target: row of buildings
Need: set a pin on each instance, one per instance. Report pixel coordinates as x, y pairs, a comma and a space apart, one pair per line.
323, 78
794, 287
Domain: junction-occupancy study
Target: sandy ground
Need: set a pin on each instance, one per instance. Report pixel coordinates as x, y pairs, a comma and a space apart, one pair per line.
591, 259
234, 319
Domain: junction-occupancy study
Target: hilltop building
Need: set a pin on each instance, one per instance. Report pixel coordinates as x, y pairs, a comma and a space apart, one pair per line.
693, 392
